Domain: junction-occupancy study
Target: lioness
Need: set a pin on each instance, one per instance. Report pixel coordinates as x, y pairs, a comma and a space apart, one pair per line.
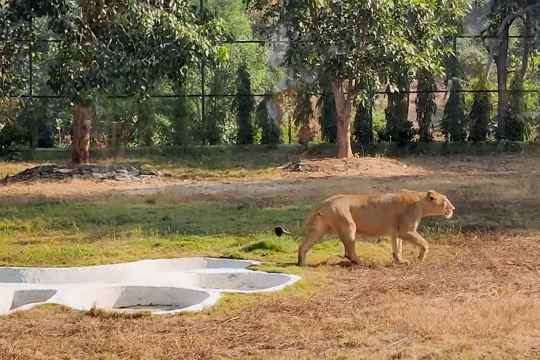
396, 214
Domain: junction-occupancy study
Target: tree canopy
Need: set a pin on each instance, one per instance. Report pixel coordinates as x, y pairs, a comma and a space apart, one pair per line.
117, 47
359, 44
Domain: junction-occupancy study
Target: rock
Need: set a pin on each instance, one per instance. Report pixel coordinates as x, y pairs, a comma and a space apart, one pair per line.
93, 172
301, 167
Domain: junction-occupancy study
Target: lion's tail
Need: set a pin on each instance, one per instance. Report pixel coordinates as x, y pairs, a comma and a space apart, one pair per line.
312, 219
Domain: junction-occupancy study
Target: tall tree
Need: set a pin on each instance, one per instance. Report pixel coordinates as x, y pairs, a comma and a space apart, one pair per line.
114, 47
220, 118
182, 112
480, 115
398, 126
327, 108
363, 122
271, 133
502, 16
358, 42
515, 123
426, 106
303, 114
453, 122
244, 105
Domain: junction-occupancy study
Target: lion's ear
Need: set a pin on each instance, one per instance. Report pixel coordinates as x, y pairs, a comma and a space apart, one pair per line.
431, 194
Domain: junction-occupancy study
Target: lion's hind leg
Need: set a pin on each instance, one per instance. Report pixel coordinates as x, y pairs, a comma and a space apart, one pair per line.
397, 250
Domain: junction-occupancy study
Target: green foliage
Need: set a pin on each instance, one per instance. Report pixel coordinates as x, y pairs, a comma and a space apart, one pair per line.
11, 137
328, 117
514, 126
453, 122
124, 46
182, 112
244, 105
145, 124
502, 20
514, 119
264, 246
270, 131
479, 117
303, 111
216, 110
358, 45
32, 123
426, 107
332, 42
398, 127
363, 123
453, 67
220, 126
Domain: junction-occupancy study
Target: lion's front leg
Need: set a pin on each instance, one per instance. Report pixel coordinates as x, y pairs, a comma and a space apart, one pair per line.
419, 241
350, 251
347, 235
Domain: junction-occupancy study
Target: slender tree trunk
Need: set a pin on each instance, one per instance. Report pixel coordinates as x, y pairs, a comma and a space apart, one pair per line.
502, 76
527, 32
343, 114
80, 133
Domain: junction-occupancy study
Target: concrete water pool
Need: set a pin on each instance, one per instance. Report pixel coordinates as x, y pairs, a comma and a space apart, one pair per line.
158, 286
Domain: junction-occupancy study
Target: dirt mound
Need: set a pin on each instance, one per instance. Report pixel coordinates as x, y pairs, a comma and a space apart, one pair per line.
358, 166
53, 172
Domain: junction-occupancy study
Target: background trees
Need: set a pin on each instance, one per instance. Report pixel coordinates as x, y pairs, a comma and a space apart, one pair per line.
426, 106
503, 16
359, 45
113, 47
106, 58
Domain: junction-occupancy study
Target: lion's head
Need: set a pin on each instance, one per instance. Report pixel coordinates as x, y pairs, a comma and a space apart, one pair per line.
437, 204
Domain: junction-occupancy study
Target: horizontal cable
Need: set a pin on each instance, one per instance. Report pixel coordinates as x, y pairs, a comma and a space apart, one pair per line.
165, 96
255, 41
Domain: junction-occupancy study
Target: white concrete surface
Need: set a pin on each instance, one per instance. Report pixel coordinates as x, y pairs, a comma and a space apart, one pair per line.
158, 286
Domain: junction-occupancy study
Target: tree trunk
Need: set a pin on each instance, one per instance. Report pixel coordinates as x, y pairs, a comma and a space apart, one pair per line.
343, 114
118, 143
502, 76
80, 133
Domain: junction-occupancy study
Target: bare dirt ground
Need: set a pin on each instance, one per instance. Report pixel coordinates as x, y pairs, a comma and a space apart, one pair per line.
476, 297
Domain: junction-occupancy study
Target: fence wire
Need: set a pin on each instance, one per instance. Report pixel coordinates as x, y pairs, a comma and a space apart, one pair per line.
34, 48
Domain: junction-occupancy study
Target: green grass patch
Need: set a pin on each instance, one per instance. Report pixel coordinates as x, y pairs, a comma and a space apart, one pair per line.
95, 232
124, 229
61, 233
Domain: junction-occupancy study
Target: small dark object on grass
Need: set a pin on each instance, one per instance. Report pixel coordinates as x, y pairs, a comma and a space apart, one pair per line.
280, 231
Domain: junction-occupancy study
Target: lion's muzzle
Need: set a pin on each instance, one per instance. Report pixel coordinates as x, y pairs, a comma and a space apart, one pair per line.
448, 209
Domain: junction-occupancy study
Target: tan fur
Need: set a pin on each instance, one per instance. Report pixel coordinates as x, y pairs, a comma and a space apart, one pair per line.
394, 214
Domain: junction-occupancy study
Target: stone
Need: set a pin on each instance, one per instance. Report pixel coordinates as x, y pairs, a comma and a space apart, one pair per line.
92, 171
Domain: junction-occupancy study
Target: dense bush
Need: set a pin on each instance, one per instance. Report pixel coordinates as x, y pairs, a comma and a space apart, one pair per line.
453, 122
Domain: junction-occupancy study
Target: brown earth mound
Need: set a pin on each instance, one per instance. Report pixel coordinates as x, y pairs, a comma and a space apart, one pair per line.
358, 166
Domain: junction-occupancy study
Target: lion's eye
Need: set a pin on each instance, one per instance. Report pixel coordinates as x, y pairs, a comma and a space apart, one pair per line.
431, 198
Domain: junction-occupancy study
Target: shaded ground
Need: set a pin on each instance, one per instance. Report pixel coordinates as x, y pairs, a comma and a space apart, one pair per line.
476, 297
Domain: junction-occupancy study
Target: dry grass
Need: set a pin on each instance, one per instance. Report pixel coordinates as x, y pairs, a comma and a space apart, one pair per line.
476, 297
469, 300
9, 168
